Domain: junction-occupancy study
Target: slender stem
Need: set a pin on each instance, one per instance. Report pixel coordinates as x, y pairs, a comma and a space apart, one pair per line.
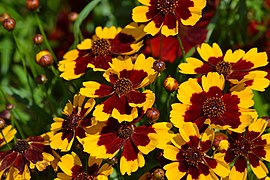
14, 120
24, 65
181, 46
5, 139
41, 29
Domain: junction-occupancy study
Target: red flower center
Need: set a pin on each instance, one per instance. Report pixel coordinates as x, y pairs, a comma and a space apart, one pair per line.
21, 146
167, 6
125, 131
122, 86
83, 176
224, 68
101, 47
214, 107
72, 121
242, 146
192, 156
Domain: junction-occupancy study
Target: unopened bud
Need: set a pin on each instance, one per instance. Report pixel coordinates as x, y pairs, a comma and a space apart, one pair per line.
5, 114
170, 84
44, 58
9, 106
72, 16
9, 24
38, 39
2, 123
159, 174
159, 66
3, 16
219, 136
32, 5
41, 79
152, 115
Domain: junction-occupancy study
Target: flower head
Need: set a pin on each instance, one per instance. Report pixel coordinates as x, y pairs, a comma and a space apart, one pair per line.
98, 52
250, 148
167, 14
73, 125
189, 155
238, 67
72, 167
209, 104
124, 98
134, 142
33, 151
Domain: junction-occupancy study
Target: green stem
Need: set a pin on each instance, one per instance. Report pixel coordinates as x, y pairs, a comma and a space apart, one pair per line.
41, 29
24, 65
181, 46
5, 139
18, 127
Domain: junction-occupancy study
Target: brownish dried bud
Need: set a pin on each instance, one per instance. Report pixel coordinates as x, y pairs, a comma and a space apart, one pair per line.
159, 174
38, 39
2, 123
152, 115
9, 24
159, 66
41, 79
9, 106
219, 136
170, 84
44, 58
5, 114
3, 16
72, 16
32, 5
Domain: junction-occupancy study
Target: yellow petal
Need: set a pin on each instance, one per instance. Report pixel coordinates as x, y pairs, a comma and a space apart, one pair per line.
213, 79
85, 44
172, 171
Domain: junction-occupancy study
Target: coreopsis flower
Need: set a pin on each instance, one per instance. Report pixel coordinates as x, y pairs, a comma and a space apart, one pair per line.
33, 152
189, 156
167, 15
209, 104
98, 52
237, 66
73, 125
134, 142
246, 148
73, 169
124, 98
8, 133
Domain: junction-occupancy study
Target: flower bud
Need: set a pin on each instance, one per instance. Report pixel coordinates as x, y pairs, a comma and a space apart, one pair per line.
44, 58
3, 16
267, 119
152, 115
2, 123
159, 174
41, 79
72, 16
32, 5
219, 136
5, 114
170, 84
9, 106
38, 39
9, 24
159, 66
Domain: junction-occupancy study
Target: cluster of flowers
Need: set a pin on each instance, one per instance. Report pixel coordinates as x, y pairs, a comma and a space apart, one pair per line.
218, 133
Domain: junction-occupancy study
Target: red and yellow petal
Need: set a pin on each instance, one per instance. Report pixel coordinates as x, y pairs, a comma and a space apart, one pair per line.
177, 114
170, 25
135, 30
129, 166
85, 44
206, 51
213, 79
260, 171
68, 161
139, 14
8, 133
63, 144
190, 66
178, 141
154, 26
57, 124
119, 65
257, 59
172, 171
107, 32
256, 129
245, 98
94, 89
187, 89
188, 131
